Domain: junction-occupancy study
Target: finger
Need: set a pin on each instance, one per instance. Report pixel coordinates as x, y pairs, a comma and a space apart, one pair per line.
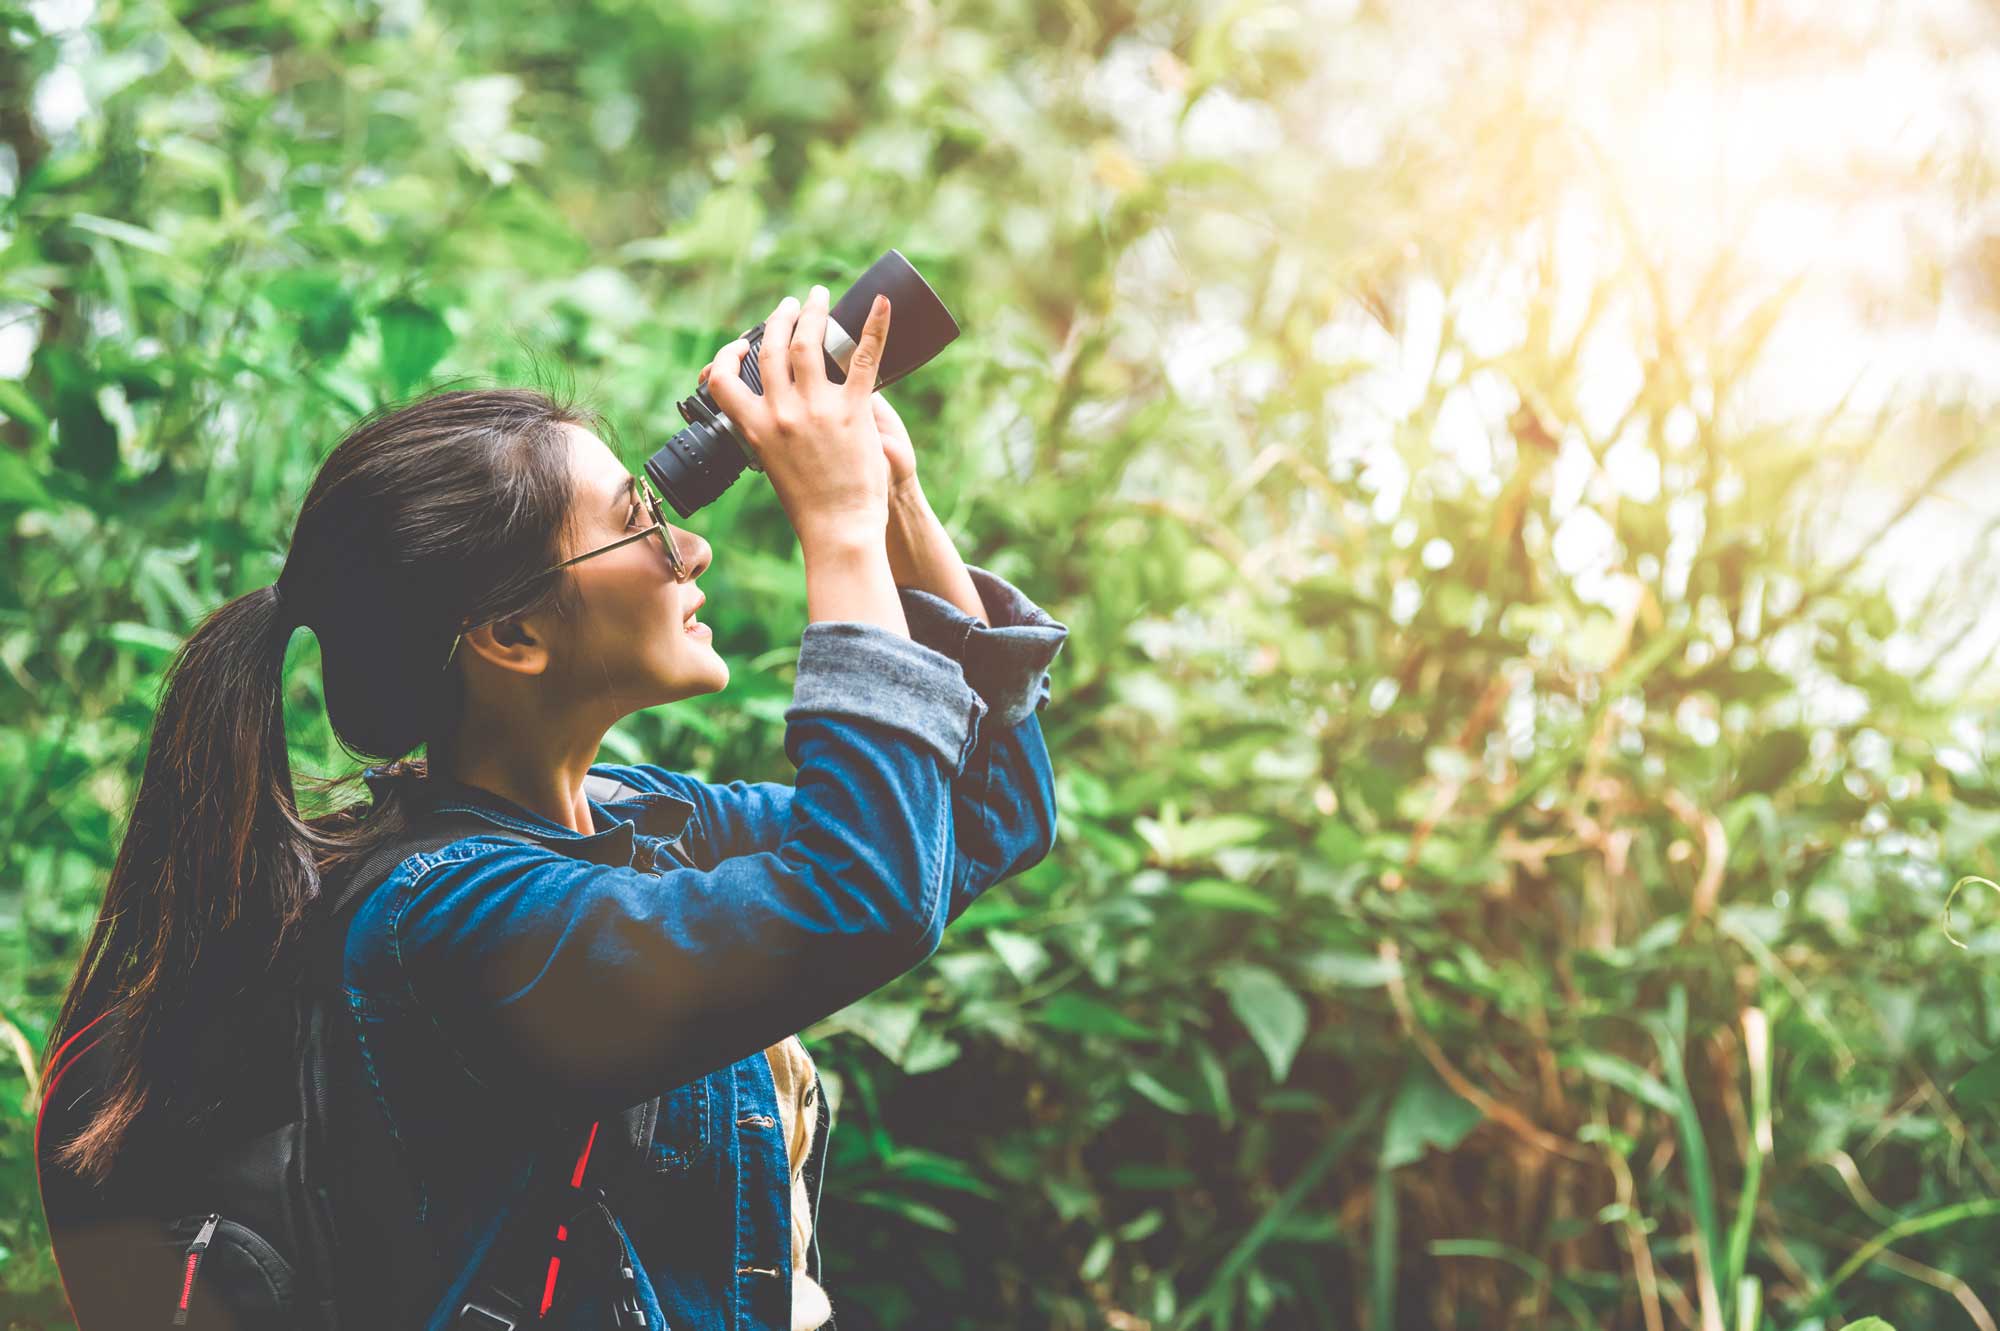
867, 359
771, 351
731, 394
742, 345
808, 349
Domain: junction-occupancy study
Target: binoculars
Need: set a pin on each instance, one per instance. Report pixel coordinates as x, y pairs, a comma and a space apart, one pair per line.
692, 469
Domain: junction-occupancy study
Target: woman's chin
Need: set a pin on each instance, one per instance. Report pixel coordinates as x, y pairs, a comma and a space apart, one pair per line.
710, 676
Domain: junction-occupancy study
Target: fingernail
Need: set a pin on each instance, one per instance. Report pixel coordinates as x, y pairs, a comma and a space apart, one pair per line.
789, 302
818, 292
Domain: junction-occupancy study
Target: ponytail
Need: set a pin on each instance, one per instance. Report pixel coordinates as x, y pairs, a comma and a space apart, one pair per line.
215, 857
442, 511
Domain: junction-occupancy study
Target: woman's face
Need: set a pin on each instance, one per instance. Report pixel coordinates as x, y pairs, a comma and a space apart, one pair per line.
631, 641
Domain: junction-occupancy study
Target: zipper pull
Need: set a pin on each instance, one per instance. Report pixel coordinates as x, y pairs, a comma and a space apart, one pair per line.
194, 1254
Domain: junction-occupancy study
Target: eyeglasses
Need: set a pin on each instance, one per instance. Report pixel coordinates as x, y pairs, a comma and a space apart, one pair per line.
651, 499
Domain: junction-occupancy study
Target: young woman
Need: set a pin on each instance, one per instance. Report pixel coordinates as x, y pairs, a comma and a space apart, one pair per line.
489, 582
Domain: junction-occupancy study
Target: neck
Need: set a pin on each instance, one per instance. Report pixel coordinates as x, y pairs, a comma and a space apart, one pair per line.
543, 773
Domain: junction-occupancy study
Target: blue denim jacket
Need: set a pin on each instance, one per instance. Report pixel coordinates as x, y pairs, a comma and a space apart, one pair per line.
612, 987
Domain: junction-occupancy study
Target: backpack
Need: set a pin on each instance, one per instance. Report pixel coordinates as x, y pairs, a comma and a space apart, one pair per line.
244, 1220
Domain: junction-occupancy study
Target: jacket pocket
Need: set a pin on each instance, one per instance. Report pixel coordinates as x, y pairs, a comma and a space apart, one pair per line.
681, 1133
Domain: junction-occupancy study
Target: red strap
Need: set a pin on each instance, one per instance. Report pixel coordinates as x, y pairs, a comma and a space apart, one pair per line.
562, 1231
576, 1179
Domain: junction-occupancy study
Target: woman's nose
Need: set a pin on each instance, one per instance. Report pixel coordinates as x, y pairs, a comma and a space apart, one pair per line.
695, 552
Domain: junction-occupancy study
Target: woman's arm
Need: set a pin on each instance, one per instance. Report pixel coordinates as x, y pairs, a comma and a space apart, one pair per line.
922, 554
591, 986
1003, 802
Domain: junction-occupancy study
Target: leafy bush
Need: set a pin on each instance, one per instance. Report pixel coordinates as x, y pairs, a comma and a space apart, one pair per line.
1503, 846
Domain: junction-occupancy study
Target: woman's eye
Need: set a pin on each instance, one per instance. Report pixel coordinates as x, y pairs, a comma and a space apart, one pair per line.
632, 519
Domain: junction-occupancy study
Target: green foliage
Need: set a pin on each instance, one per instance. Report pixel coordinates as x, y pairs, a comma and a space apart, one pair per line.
1421, 881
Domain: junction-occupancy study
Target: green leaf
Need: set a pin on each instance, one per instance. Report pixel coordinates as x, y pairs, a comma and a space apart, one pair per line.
916, 1212
1426, 1114
1271, 1012
1150, 1087
1221, 894
18, 482
150, 644
1139, 1226
929, 1049
1087, 1016
1982, 1083
1771, 759
1024, 957
138, 237
888, 1026
1627, 1077
1355, 970
414, 339
15, 403
1175, 842
323, 307
920, 1166
1098, 1259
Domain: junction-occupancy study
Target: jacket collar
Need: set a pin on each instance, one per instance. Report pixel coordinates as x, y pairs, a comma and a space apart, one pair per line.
646, 813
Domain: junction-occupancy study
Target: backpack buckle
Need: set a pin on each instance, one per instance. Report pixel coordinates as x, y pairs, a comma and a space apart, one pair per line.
476, 1316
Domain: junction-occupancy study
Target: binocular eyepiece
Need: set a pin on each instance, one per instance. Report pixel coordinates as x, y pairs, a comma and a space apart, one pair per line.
692, 469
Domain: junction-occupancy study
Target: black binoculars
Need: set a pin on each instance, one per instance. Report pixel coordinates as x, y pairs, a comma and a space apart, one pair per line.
692, 469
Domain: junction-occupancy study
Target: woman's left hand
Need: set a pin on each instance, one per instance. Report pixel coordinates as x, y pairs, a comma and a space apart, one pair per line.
896, 444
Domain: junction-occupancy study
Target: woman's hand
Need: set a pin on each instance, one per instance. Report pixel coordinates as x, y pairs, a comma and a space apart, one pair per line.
896, 444
816, 440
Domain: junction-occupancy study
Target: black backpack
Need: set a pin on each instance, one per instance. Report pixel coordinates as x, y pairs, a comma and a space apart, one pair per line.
245, 1221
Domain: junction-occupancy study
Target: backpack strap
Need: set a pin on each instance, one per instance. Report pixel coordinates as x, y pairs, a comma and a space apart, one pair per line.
391, 1266
495, 1300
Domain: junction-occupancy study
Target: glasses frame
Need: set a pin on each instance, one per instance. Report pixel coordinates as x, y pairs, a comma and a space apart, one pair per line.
651, 499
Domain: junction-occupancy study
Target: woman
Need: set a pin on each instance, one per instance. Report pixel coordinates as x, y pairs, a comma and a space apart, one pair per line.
486, 580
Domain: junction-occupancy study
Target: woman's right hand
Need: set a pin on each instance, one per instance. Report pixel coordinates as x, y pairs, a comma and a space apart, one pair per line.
814, 438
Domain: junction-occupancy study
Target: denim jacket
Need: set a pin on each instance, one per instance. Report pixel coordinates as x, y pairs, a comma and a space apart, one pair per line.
627, 982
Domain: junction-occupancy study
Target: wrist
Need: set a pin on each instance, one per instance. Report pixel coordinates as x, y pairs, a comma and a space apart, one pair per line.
907, 500
843, 535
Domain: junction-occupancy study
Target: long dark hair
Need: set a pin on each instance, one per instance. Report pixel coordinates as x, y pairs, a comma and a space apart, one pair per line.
426, 516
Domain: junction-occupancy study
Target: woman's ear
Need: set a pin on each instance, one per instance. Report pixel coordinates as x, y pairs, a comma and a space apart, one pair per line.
509, 644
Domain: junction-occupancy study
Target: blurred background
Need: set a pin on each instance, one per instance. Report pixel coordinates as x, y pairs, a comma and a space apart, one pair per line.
1521, 478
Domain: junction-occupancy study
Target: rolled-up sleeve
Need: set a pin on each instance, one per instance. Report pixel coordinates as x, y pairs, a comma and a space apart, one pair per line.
595, 986
1006, 660
1004, 802
860, 671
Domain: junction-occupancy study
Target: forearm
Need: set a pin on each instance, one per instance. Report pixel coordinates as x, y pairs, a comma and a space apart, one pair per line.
848, 579
921, 553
